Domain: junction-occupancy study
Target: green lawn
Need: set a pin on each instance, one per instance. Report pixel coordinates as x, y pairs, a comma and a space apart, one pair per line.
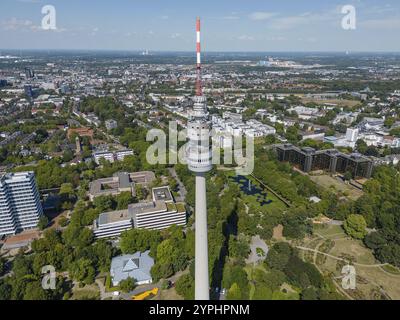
328, 231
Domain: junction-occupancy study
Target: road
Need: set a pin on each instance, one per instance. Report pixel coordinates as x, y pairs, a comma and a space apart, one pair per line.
341, 259
109, 136
140, 289
257, 242
182, 190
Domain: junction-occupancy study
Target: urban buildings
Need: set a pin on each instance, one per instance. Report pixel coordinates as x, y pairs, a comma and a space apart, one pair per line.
230, 126
136, 266
119, 182
81, 132
159, 213
20, 206
106, 155
111, 124
111, 156
308, 159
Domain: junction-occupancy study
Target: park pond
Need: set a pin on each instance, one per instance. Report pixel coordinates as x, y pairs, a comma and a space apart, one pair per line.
248, 188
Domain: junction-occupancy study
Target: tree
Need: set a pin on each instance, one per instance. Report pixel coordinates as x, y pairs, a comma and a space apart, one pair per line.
66, 190
355, 226
185, 286
234, 292
139, 240
170, 252
372, 151
348, 176
103, 203
390, 253
82, 270
128, 284
2, 266
63, 221
141, 192
273, 279
309, 294
5, 290
375, 240
161, 271
123, 200
22, 265
389, 122
34, 291
279, 255
43, 222
361, 146
292, 134
262, 292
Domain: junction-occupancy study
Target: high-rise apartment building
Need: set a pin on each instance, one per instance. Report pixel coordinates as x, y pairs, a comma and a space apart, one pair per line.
20, 206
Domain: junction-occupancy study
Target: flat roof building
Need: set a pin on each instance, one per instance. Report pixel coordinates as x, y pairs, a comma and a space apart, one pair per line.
111, 156
118, 183
160, 213
308, 159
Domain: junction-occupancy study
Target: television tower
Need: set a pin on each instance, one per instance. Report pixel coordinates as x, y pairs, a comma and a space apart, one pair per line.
199, 162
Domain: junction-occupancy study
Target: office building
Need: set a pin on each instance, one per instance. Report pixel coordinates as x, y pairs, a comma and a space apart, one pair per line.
119, 182
159, 213
111, 156
352, 135
20, 206
121, 154
308, 159
106, 155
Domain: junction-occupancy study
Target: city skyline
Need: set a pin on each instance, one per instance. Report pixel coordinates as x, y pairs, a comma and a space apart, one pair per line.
309, 26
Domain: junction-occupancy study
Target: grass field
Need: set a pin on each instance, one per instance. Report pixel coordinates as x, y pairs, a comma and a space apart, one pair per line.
169, 294
88, 292
339, 102
373, 280
328, 182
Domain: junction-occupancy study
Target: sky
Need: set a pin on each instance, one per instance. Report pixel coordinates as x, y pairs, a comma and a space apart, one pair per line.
227, 25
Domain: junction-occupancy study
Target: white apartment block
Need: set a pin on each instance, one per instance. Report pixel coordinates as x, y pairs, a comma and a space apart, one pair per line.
106, 155
228, 128
112, 156
20, 206
121, 154
160, 213
352, 135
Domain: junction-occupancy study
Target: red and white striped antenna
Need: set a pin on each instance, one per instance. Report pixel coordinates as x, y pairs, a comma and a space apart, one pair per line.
198, 54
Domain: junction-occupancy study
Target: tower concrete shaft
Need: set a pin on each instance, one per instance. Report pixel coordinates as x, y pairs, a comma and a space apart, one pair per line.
201, 246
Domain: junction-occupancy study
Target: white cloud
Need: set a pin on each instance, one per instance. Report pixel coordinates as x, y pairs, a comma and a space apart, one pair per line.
29, 1
175, 35
17, 24
380, 24
246, 38
261, 15
230, 17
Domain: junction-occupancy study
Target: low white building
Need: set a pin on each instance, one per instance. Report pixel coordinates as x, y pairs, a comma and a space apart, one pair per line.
106, 155
121, 154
